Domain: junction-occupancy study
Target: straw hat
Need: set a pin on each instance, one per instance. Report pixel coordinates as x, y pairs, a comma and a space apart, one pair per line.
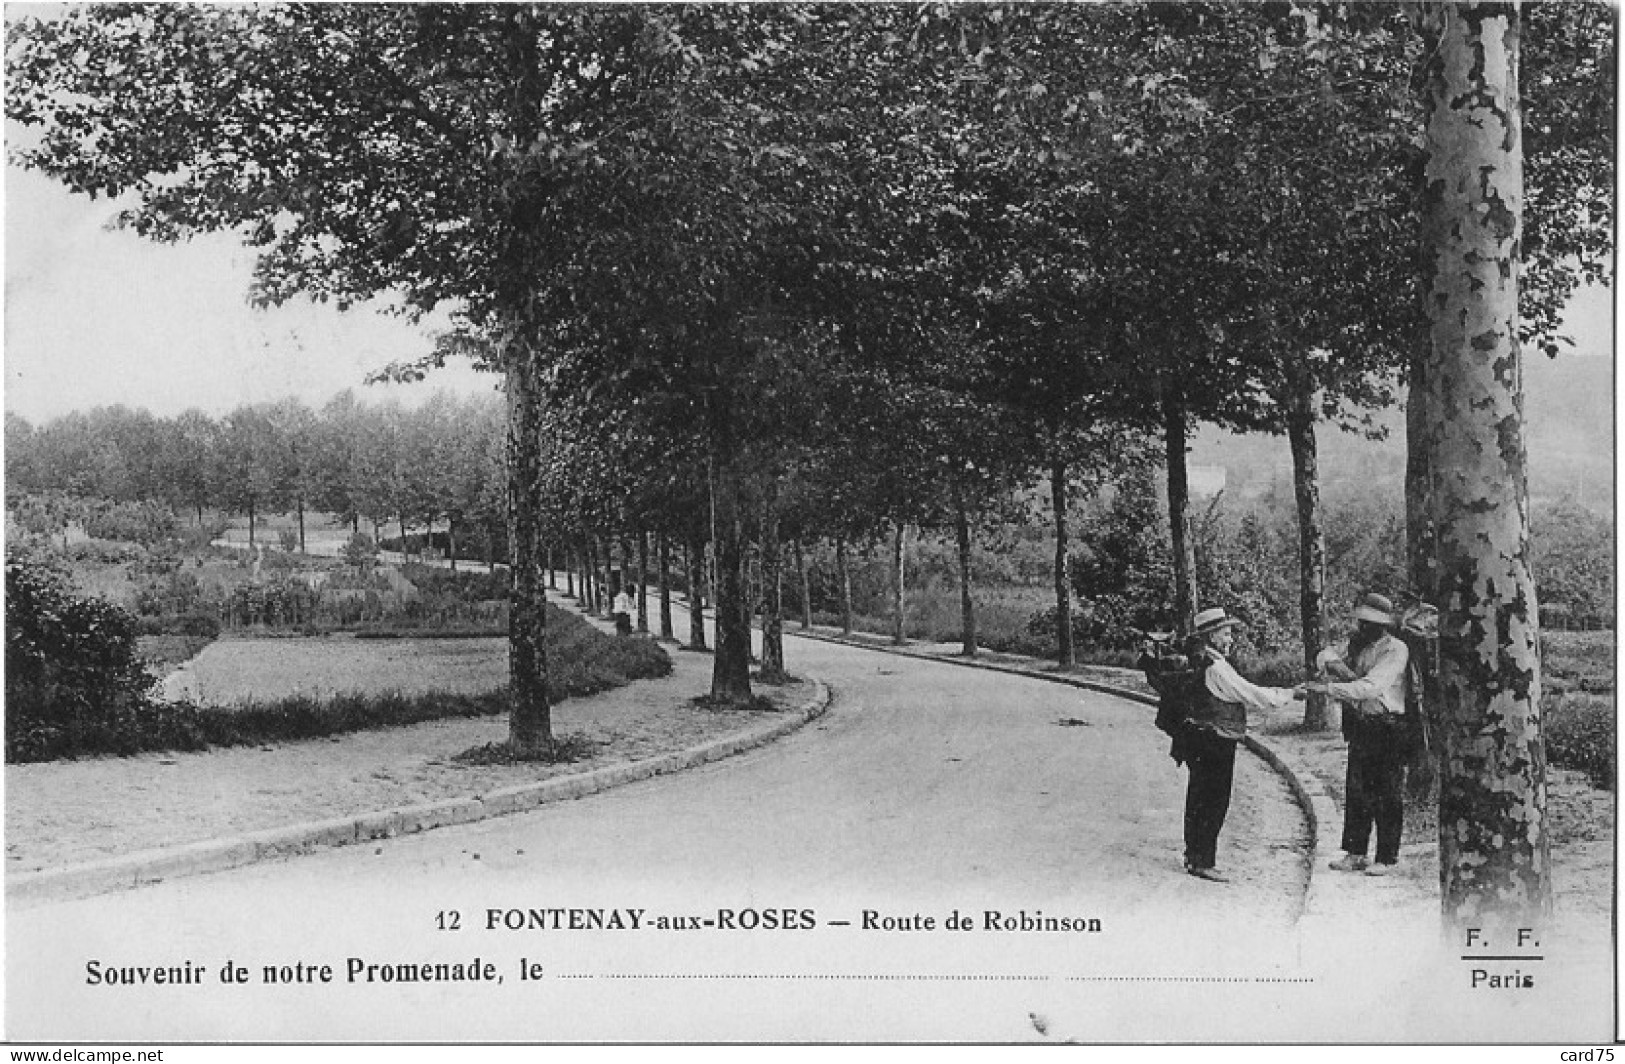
1377, 609
1211, 620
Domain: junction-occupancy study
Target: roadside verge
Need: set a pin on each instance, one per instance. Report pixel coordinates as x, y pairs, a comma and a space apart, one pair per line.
154, 865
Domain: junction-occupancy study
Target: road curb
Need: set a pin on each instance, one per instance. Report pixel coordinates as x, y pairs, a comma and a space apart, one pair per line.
218, 855
1319, 811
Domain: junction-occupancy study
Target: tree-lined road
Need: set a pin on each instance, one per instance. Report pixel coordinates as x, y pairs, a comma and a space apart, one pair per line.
926, 787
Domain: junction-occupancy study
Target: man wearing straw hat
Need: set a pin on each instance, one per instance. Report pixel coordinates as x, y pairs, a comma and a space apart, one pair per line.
1369, 678
1208, 745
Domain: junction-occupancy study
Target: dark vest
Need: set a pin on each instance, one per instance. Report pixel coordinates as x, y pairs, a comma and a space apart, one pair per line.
1227, 720
1186, 703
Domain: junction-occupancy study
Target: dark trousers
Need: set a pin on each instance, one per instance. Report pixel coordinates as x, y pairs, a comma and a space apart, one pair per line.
1375, 788
1212, 764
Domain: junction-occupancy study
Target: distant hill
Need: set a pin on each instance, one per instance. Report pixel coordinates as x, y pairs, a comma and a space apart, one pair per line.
1569, 417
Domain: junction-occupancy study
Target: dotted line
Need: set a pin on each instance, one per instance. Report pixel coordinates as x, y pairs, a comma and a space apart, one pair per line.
869, 978
1184, 979
956, 978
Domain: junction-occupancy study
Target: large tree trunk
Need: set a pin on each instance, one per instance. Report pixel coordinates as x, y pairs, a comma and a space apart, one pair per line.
643, 582
730, 671
629, 566
251, 522
663, 550
603, 588
806, 585
898, 636
967, 605
530, 718
1175, 432
772, 590
570, 572
1066, 654
692, 555
1493, 840
299, 502
592, 579
1300, 431
845, 572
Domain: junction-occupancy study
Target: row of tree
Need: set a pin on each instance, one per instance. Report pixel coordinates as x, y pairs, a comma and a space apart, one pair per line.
440, 462
867, 263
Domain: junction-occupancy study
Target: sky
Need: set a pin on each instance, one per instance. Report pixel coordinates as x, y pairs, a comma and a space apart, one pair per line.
94, 317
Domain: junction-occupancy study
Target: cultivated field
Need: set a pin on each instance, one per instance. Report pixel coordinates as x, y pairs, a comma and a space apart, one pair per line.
238, 671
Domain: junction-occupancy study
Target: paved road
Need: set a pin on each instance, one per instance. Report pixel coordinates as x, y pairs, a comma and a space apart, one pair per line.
928, 788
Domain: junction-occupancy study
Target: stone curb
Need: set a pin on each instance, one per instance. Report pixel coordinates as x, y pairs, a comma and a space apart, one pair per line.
1318, 808
217, 855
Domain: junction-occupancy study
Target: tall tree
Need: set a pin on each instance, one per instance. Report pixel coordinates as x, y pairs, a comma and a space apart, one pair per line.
1493, 843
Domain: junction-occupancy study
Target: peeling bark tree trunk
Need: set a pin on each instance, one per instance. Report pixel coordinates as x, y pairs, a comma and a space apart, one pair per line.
897, 636
845, 572
530, 717
1300, 430
663, 559
1419, 537
772, 591
967, 605
1066, 654
1175, 431
1493, 842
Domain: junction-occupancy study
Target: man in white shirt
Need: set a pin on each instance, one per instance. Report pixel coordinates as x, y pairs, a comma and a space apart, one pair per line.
622, 609
1369, 679
1208, 746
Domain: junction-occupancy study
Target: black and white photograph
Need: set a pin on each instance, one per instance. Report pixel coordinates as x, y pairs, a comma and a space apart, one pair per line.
563, 524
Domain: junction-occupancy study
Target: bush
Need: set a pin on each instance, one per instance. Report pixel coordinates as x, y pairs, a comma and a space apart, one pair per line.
175, 592
280, 602
74, 680
304, 717
360, 552
465, 586
584, 661
101, 552
1580, 735
131, 522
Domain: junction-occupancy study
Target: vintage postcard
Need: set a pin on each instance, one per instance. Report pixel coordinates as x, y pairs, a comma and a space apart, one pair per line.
965, 454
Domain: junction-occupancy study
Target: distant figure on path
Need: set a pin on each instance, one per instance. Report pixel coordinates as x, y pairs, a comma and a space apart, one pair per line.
623, 611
